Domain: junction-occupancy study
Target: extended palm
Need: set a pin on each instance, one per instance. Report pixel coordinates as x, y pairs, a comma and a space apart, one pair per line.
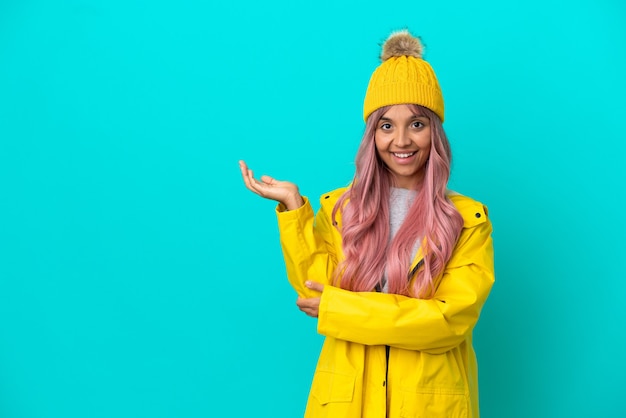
281, 191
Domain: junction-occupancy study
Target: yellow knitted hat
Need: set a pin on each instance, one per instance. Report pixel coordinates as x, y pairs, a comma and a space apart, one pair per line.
403, 77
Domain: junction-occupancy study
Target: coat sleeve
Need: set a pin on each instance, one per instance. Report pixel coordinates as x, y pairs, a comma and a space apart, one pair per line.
431, 325
308, 246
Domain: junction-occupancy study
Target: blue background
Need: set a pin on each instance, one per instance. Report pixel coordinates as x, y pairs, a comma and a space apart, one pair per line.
139, 278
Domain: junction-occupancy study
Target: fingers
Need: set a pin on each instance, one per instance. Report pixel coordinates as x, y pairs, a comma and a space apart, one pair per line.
281, 191
247, 175
318, 287
268, 180
245, 172
250, 182
309, 306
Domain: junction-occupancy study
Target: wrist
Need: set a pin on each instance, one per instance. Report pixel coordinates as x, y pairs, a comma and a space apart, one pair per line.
293, 203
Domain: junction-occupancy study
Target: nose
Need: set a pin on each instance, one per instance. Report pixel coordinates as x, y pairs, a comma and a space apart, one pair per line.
402, 139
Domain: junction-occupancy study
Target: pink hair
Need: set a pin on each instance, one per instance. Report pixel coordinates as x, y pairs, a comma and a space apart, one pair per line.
365, 217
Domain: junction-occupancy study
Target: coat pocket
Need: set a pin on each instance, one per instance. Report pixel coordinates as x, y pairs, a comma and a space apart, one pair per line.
332, 386
434, 403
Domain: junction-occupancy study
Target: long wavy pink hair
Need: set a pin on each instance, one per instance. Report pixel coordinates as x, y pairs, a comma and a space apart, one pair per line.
365, 217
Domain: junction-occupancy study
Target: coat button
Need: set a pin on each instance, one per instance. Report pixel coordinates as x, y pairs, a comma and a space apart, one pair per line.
478, 215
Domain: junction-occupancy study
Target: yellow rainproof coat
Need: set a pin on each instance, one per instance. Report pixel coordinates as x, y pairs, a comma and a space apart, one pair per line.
431, 369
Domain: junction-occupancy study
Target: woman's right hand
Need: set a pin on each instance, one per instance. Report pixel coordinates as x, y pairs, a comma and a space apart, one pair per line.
281, 191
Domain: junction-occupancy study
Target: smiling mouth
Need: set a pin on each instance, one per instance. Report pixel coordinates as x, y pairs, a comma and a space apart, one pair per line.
403, 154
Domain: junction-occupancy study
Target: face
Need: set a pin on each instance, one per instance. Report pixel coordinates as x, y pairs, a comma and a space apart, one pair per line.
403, 143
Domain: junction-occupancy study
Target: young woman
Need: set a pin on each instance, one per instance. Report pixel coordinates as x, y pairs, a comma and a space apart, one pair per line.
395, 267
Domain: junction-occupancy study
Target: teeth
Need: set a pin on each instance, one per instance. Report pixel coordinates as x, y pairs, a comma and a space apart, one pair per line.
404, 155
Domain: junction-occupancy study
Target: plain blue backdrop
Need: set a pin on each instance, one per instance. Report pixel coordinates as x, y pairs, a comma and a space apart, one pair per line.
139, 278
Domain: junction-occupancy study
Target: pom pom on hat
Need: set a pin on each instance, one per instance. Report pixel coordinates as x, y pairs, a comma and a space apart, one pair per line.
401, 43
403, 77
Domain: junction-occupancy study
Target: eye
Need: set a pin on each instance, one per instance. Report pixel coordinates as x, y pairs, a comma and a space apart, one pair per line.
385, 126
417, 124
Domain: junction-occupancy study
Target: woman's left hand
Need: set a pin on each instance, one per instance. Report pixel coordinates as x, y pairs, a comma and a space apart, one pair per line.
310, 306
